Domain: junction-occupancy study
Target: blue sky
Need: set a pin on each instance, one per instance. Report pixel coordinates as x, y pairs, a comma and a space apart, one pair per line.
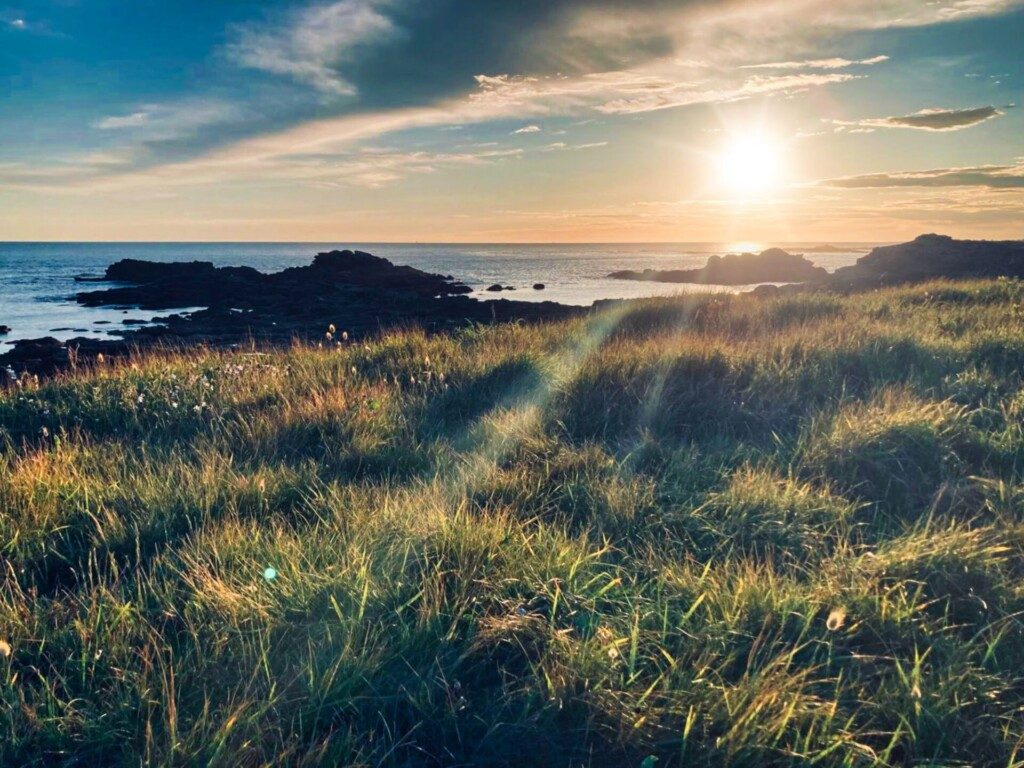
487, 120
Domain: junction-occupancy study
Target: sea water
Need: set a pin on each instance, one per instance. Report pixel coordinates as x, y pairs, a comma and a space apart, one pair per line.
37, 280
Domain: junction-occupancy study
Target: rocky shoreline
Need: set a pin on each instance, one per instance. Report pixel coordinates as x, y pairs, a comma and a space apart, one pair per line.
357, 293
360, 294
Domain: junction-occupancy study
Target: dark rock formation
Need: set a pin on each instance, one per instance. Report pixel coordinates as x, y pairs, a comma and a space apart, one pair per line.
4, 329
498, 288
539, 286
357, 292
772, 266
933, 256
199, 283
43, 355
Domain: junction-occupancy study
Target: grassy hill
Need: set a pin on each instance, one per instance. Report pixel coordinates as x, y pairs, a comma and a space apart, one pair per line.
711, 531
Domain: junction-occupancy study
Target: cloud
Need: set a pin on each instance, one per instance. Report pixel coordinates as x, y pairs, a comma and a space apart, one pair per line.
835, 63
374, 167
18, 22
527, 129
413, 66
312, 45
561, 146
118, 122
928, 120
164, 122
632, 92
654, 96
987, 176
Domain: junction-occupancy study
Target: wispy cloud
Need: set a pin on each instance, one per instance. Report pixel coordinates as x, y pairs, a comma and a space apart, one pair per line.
631, 92
561, 146
527, 129
374, 167
928, 119
313, 45
161, 122
834, 63
988, 176
117, 122
15, 21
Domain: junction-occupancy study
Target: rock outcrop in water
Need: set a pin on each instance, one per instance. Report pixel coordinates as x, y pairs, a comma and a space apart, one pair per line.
933, 256
772, 266
357, 292
199, 283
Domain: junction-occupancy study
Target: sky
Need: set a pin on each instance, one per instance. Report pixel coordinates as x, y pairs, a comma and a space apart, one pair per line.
501, 121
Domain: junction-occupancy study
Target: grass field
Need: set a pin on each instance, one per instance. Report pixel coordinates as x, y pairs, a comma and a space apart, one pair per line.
703, 531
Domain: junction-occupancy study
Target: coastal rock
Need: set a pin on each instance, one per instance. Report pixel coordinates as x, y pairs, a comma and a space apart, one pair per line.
539, 286
354, 290
43, 355
199, 283
772, 266
933, 256
4, 330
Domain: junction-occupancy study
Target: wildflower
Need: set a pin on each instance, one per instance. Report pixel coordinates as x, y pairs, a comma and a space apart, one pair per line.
344, 335
412, 379
354, 370
835, 619
140, 398
174, 403
100, 358
5, 649
329, 336
426, 360
331, 329
44, 432
440, 377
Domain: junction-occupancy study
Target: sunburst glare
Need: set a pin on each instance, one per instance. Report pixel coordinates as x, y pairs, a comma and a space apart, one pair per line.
749, 165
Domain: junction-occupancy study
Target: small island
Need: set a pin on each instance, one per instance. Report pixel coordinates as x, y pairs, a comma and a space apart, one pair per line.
772, 266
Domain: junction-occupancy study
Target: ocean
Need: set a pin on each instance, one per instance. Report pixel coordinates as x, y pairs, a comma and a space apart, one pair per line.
37, 279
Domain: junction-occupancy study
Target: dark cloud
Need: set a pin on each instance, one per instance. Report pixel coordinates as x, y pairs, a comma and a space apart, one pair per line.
447, 43
930, 119
988, 176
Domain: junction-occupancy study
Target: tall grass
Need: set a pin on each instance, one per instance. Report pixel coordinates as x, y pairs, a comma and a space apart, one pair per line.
696, 531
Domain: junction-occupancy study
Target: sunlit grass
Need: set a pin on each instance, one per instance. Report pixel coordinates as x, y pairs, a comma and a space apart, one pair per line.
711, 530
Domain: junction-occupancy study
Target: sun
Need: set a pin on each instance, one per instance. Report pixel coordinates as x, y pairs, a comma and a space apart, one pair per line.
749, 165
